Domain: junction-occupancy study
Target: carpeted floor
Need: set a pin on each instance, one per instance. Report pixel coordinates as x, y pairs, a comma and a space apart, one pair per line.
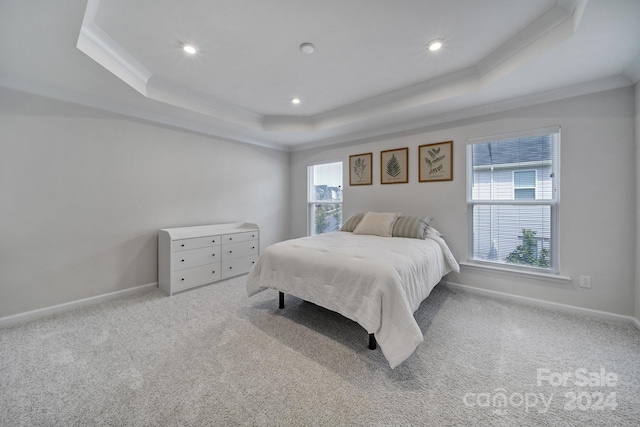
212, 356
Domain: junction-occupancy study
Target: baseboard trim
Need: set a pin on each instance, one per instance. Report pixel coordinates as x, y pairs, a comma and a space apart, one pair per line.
47, 311
602, 315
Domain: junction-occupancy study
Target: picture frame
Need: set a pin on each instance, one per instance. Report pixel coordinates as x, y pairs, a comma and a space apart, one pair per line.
394, 166
435, 162
360, 169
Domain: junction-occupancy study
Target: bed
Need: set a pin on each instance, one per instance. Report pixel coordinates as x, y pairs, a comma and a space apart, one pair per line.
376, 281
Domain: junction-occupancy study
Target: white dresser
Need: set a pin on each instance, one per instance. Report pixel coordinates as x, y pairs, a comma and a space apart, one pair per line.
194, 256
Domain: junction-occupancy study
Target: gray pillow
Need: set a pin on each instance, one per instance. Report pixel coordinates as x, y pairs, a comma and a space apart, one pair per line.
352, 222
411, 226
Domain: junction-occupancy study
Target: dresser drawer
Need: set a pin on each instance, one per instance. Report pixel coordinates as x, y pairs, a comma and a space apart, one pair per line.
195, 257
197, 242
239, 237
238, 250
189, 277
237, 266
190, 257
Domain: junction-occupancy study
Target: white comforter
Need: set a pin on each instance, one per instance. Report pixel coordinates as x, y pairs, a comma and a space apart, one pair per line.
378, 282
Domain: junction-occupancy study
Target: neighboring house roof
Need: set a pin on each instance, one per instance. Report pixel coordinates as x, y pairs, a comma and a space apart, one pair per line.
509, 151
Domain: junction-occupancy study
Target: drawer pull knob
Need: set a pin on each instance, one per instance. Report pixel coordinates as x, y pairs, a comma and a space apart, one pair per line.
213, 241
253, 262
253, 247
182, 260
213, 255
253, 235
230, 268
182, 245
230, 238
182, 279
230, 252
213, 272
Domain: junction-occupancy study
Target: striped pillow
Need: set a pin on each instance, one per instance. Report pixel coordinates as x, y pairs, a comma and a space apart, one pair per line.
411, 226
352, 222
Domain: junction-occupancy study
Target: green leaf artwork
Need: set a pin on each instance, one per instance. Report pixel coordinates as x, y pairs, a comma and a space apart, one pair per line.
359, 166
393, 167
435, 162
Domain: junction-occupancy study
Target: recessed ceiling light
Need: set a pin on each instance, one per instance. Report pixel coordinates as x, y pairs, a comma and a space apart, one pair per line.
295, 101
434, 45
307, 48
189, 48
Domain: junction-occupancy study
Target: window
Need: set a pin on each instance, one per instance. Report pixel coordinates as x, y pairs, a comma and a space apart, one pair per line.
513, 199
324, 197
524, 184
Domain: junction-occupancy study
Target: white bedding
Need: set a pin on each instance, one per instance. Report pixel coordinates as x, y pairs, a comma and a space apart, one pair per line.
378, 282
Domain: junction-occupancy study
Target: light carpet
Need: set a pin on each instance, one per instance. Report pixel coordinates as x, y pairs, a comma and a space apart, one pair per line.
212, 356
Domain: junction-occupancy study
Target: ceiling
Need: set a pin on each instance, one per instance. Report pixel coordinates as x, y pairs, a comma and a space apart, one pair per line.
370, 73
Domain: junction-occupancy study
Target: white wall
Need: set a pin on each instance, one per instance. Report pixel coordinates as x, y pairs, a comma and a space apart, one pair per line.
83, 193
598, 210
637, 311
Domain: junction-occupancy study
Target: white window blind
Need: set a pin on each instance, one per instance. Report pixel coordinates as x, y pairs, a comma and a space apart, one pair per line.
513, 199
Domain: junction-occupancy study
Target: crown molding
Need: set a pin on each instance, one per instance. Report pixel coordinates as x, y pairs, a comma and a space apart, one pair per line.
555, 26
97, 45
424, 124
208, 127
170, 93
459, 117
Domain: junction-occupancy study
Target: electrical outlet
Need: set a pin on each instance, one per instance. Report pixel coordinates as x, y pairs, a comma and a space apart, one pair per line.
585, 281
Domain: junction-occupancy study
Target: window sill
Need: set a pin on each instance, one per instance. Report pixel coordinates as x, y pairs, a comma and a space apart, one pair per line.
549, 277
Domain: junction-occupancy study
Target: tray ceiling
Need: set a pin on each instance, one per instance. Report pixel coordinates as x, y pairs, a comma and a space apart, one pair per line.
370, 73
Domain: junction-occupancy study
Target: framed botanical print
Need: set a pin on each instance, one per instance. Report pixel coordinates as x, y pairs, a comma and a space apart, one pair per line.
394, 166
360, 169
435, 162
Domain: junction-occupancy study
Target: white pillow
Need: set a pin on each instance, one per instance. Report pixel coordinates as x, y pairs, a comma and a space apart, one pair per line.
377, 223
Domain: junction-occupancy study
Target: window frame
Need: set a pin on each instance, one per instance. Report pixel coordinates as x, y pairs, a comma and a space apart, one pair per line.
311, 190
553, 203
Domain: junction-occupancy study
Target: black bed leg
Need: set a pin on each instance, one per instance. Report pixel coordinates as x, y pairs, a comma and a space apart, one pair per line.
372, 342
281, 305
